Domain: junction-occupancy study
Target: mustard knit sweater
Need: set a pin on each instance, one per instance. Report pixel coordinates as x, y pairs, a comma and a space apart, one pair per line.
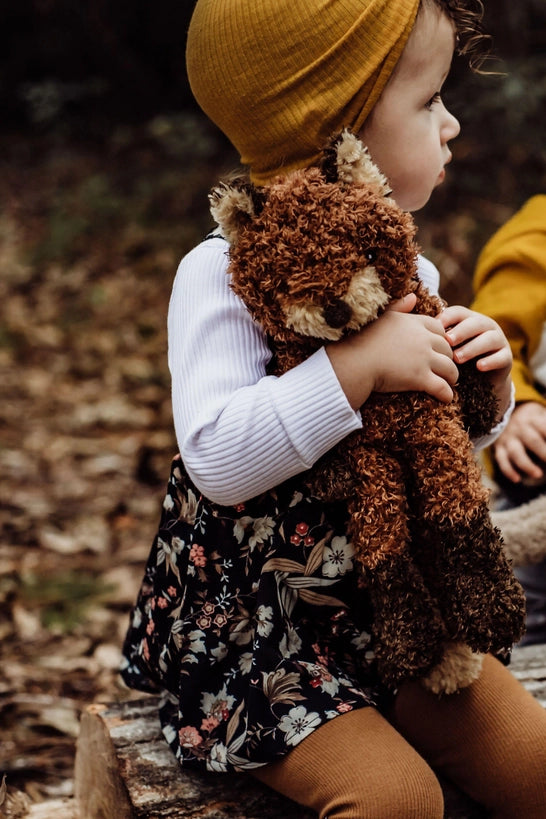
510, 286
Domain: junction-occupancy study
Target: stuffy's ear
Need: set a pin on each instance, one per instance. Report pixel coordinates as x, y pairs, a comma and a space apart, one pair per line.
347, 160
233, 205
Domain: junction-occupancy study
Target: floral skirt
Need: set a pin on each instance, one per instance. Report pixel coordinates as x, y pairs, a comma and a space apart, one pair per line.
251, 623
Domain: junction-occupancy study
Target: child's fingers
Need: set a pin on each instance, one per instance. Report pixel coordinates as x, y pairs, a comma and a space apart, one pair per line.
439, 388
485, 345
453, 315
464, 326
515, 462
534, 441
506, 466
498, 361
443, 375
405, 304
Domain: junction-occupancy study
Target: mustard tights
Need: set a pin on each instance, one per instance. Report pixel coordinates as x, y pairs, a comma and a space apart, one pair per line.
489, 739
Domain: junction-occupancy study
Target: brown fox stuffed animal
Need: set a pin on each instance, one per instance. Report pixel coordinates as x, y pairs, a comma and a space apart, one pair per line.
316, 255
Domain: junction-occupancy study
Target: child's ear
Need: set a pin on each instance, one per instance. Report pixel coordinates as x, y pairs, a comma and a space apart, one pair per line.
234, 205
346, 160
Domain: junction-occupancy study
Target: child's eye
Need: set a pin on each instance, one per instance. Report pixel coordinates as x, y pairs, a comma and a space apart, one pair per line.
435, 98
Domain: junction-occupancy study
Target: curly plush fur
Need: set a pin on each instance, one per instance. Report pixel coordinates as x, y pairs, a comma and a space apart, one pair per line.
315, 256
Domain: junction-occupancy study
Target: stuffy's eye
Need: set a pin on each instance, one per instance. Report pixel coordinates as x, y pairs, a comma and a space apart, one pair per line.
371, 255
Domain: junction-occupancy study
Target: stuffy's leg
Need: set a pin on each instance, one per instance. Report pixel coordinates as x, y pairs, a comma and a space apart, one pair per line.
458, 668
408, 629
483, 603
456, 546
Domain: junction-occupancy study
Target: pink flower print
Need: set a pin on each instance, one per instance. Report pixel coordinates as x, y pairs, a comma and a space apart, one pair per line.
220, 620
145, 650
189, 737
240, 507
326, 676
150, 627
209, 724
171, 591
343, 707
162, 602
322, 659
302, 535
197, 556
203, 621
208, 608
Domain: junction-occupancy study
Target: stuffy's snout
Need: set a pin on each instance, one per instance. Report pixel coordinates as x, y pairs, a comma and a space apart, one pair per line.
337, 314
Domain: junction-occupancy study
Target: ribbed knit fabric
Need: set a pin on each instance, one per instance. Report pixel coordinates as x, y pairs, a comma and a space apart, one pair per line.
490, 739
239, 431
279, 77
357, 767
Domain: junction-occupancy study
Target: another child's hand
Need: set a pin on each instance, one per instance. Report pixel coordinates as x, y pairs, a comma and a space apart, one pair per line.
524, 435
476, 336
398, 352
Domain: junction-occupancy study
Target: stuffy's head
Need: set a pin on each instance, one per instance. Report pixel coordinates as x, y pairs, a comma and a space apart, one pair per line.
319, 252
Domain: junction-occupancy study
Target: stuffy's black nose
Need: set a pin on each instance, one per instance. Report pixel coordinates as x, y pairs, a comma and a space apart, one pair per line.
337, 313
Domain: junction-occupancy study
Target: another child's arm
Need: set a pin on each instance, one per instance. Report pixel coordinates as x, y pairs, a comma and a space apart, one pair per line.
524, 434
510, 286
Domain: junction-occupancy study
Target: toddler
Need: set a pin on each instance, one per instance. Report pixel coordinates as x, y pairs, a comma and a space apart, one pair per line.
250, 620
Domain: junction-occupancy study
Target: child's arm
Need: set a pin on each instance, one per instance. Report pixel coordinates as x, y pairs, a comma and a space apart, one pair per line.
241, 432
475, 336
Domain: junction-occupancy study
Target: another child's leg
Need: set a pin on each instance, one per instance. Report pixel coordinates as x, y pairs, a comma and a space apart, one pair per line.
490, 739
357, 767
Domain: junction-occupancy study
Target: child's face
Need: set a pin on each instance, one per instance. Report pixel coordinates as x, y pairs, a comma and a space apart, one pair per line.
407, 132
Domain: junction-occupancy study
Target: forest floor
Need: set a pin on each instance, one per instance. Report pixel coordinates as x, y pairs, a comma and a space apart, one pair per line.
90, 237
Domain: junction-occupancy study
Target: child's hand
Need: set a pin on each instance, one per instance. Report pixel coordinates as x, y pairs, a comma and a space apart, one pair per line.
476, 336
396, 353
525, 434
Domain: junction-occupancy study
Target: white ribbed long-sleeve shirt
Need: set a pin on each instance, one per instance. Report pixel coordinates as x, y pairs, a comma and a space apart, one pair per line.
240, 431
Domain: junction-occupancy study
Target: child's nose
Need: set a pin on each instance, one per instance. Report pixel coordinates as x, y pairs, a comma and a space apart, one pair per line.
450, 127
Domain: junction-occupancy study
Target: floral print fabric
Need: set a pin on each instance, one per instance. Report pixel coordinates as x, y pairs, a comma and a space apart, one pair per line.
251, 623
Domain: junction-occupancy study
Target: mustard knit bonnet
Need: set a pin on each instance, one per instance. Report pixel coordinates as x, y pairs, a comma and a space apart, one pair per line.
279, 77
